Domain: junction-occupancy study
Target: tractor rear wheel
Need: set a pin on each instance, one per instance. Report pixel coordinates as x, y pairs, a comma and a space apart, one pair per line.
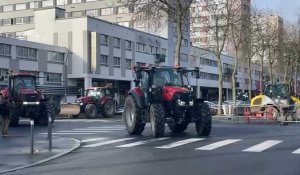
14, 120
132, 117
109, 108
157, 120
203, 123
273, 113
177, 128
91, 111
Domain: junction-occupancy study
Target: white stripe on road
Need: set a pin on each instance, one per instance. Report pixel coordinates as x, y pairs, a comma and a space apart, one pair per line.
106, 127
107, 142
218, 144
262, 146
142, 142
82, 131
91, 140
297, 151
100, 129
66, 133
179, 143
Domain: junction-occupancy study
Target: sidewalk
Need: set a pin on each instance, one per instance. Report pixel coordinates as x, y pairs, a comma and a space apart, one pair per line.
15, 151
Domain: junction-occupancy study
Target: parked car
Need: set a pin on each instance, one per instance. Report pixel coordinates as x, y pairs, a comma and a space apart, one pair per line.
213, 107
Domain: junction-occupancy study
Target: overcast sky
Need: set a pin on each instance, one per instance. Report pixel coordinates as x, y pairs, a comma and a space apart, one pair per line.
288, 9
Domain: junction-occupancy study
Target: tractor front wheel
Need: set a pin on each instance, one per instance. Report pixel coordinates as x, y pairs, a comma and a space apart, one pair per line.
132, 117
109, 108
203, 123
91, 111
157, 120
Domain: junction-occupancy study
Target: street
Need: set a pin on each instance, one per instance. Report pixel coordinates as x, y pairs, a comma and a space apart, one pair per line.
106, 148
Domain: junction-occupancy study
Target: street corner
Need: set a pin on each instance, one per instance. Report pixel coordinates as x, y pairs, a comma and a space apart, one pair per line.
15, 152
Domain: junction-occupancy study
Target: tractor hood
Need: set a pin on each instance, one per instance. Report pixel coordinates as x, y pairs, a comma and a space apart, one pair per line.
85, 99
169, 91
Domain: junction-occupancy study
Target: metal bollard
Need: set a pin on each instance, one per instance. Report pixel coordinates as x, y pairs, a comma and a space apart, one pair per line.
50, 133
31, 136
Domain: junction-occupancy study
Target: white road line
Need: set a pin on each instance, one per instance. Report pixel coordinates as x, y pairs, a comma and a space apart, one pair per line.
218, 144
82, 131
141, 142
179, 143
91, 140
297, 151
99, 129
262, 146
107, 142
106, 127
65, 133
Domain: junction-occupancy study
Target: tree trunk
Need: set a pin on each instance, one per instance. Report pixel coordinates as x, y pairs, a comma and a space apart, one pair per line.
250, 79
220, 83
261, 75
286, 71
295, 77
179, 37
271, 73
233, 80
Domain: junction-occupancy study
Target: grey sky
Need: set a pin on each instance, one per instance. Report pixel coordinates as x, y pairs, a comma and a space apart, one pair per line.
288, 9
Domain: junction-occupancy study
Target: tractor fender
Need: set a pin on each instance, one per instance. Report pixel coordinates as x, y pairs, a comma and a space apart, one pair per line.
138, 94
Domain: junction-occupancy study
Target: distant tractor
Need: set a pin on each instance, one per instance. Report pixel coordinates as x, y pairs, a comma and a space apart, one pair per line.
277, 102
26, 101
160, 96
98, 100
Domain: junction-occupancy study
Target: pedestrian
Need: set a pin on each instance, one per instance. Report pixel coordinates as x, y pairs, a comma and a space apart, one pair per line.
4, 112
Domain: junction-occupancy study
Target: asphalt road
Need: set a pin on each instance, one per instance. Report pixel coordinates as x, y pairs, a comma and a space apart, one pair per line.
242, 149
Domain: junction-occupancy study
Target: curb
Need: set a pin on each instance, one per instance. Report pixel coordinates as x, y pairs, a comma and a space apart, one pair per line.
75, 146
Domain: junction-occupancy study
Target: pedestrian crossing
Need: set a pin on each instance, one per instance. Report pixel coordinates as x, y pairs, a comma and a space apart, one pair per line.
156, 143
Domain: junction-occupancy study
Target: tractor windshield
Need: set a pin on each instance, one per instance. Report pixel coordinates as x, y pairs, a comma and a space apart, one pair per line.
98, 92
24, 82
276, 91
167, 77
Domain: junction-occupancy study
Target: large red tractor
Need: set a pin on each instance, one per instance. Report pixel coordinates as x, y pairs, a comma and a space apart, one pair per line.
98, 100
160, 96
26, 101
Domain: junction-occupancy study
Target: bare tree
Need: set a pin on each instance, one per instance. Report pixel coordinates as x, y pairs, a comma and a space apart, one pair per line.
153, 13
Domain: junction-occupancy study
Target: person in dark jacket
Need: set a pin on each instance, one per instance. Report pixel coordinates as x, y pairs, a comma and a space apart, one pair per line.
4, 112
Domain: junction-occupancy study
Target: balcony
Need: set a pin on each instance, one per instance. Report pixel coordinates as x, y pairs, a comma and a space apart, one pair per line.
227, 71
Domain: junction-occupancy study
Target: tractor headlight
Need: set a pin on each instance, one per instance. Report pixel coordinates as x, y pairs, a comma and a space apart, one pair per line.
191, 103
81, 104
181, 103
31, 103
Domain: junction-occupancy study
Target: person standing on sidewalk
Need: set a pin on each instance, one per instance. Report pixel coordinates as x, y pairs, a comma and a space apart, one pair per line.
4, 112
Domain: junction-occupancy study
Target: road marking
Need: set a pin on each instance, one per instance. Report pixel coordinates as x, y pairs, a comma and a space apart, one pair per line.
66, 133
106, 127
91, 140
141, 142
107, 142
100, 129
81, 131
262, 146
297, 151
84, 120
218, 144
179, 143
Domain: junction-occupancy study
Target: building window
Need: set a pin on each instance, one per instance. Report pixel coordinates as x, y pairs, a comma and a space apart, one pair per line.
56, 57
183, 57
20, 6
104, 60
117, 42
34, 5
123, 9
20, 21
107, 11
5, 50
164, 51
117, 61
94, 12
8, 8
76, 1
61, 2
53, 77
4, 72
141, 47
20, 35
104, 39
7, 22
128, 45
128, 64
77, 14
246, 81
47, 3
152, 49
25, 52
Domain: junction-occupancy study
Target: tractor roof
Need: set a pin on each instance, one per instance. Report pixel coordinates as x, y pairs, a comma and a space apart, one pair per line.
23, 74
103, 87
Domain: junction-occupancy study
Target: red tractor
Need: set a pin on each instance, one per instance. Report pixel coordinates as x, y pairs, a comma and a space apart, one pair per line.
160, 96
98, 100
26, 101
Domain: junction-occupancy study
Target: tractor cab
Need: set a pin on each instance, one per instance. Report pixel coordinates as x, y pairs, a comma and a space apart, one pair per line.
277, 91
99, 92
20, 83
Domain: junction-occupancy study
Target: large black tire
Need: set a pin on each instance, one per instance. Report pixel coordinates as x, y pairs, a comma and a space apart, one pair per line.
91, 111
203, 122
132, 117
14, 120
157, 120
47, 110
108, 108
177, 128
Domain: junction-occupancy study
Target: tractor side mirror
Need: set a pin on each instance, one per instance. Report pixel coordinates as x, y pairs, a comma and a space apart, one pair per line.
197, 72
